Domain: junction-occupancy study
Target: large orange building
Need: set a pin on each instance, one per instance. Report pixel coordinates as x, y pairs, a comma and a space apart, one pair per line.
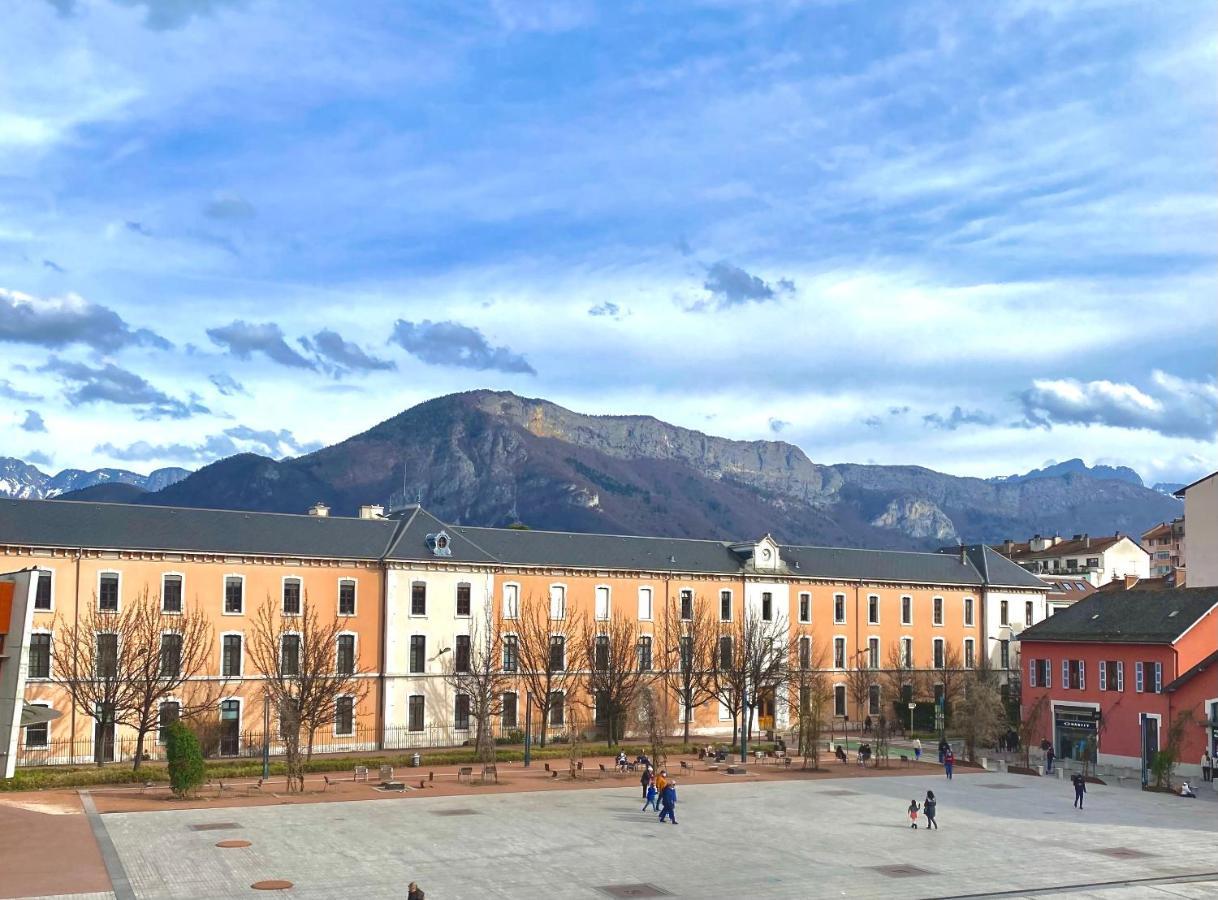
409, 589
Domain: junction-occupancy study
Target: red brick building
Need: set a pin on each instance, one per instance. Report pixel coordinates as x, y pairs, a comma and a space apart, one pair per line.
1120, 668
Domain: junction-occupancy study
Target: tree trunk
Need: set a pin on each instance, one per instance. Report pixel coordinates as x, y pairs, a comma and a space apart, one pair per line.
139, 747
686, 717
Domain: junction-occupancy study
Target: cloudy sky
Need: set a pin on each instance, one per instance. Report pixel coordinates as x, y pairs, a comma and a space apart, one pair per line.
970, 236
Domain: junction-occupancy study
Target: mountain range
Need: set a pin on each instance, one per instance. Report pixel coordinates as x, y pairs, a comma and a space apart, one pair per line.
26, 482
494, 458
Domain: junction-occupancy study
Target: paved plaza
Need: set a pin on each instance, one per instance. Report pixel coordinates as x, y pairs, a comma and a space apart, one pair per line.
1000, 834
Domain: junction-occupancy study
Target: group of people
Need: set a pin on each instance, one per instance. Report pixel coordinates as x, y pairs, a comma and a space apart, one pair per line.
927, 809
660, 793
1009, 742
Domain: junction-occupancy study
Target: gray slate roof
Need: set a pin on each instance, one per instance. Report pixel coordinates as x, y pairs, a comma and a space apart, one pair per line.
1127, 617
120, 526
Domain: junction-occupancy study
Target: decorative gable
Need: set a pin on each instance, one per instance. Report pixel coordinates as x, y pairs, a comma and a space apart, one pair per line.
765, 555
439, 544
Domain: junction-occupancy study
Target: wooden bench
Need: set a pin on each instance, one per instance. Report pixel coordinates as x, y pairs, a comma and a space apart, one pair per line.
466, 772
492, 772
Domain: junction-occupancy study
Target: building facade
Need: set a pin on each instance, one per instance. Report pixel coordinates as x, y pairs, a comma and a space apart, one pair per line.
1098, 559
1119, 669
1201, 513
1165, 544
411, 593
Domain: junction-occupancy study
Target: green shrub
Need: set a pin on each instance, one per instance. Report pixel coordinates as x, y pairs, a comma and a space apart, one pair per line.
185, 756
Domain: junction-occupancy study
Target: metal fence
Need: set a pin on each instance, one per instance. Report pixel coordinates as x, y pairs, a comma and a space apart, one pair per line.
249, 744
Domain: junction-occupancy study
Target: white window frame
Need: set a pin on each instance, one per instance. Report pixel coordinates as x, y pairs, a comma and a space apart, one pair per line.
1158, 677
725, 714
907, 620
941, 603
970, 653
423, 723
118, 591
457, 614
282, 635
731, 604
338, 597
800, 598
693, 597
1065, 674
767, 595
173, 698
649, 593
515, 709
240, 658
224, 594
845, 700
503, 642
907, 650
165, 631
874, 661
1103, 675
410, 613
51, 608
562, 600
969, 615
50, 676
596, 601
1120, 675
941, 646
836, 620
845, 652
876, 598
283, 588
354, 715
354, 650
240, 714
511, 600
410, 640
43, 704
182, 576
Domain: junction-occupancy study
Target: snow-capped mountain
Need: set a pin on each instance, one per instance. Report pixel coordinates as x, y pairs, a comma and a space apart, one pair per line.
23, 481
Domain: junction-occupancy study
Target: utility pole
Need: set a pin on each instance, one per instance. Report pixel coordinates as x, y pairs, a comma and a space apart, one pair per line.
266, 736
744, 732
528, 728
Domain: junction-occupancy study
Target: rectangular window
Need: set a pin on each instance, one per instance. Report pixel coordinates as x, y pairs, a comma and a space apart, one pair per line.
873, 653
558, 602
767, 606
556, 708
38, 736
1004, 614
1074, 672
687, 604
40, 656
839, 653
907, 610
234, 594
938, 653
907, 653
968, 611
725, 653
1027, 613
1104, 675
645, 598
511, 601
508, 710
602, 603
171, 655
969, 658
344, 716
686, 648
461, 654
938, 611
839, 609
873, 610
1139, 677
1120, 682
291, 596
805, 608
1065, 674
230, 659
42, 599
171, 593
463, 599
418, 598
1158, 678
345, 654
511, 652
805, 653
873, 700
346, 597
461, 712
107, 592
558, 653
601, 655
1004, 654
1093, 562
289, 655
168, 712
644, 654
414, 712
107, 656
839, 700
725, 606
418, 653
1033, 671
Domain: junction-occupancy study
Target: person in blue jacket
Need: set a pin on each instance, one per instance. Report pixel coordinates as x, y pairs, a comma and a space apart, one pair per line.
668, 802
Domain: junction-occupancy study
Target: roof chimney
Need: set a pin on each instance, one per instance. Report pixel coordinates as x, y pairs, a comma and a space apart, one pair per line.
1086, 540
1130, 581
963, 556
1008, 546
319, 509
372, 512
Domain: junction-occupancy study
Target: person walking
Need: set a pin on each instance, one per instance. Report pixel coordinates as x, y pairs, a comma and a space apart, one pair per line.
661, 782
943, 748
668, 802
414, 892
913, 813
1080, 788
1207, 766
928, 807
647, 778
917, 749
949, 760
652, 798
1049, 757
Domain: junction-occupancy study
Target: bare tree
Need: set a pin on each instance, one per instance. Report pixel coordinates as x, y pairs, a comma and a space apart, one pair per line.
1031, 725
950, 676
608, 656
476, 671
653, 720
688, 652
814, 695
980, 716
899, 676
768, 658
859, 682
121, 665
751, 660
544, 643
306, 674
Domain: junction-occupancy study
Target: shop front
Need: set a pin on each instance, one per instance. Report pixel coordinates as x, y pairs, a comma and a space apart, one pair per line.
1075, 732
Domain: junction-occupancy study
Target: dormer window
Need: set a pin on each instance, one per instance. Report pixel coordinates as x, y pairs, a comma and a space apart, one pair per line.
438, 543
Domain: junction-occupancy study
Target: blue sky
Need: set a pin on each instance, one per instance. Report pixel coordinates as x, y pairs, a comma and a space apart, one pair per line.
974, 237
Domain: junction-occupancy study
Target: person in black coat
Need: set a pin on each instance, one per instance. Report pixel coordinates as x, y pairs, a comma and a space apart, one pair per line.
928, 808
414, 892
1080, 788
943, 748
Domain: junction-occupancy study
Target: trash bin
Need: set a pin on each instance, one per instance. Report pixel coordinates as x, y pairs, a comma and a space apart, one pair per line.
414, 761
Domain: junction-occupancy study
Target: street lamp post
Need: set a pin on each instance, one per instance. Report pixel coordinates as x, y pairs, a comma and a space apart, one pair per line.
528, 728
912, 707
744, 718
266, 736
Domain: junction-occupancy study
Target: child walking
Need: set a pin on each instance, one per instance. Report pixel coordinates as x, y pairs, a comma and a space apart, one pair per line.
652, 797
913, 813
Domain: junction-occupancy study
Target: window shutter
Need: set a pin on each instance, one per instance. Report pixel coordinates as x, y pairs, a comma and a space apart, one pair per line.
1158, 678
1031, 673
1065, 674
1103, 676
1137, 676
1082, 674
1120, 675
1048, 673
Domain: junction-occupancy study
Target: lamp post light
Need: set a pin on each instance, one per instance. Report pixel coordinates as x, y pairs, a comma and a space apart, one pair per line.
528, 728
912, 707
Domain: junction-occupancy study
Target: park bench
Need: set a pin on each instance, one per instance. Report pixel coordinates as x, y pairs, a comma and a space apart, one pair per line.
386, 774
492, 772
686, 767
466, 772
360, 773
